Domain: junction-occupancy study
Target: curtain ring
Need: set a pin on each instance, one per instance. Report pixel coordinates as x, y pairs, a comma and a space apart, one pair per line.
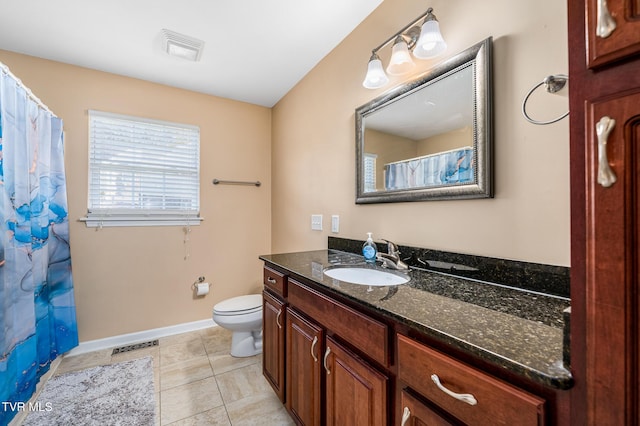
553, 84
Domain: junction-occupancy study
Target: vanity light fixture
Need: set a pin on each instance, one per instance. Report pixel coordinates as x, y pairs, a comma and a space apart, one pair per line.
426, 42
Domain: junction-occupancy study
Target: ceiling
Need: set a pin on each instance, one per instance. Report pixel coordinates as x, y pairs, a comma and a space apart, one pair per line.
255, 50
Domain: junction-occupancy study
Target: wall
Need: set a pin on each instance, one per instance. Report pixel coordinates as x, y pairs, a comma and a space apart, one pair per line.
313, 150
133, 279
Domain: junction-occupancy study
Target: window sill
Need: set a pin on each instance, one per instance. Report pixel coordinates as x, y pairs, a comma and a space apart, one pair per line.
107, 222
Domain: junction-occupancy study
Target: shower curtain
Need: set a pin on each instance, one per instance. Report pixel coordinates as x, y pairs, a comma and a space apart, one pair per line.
37, 307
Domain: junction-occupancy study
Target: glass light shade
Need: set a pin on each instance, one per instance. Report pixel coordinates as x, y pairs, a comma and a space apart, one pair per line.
401, 61
430, 43
375, 77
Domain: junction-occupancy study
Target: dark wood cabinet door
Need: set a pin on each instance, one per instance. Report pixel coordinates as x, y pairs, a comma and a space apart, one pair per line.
612, 236
416, 413
605, 223
304, 372
613, 29
273, 348
356, 394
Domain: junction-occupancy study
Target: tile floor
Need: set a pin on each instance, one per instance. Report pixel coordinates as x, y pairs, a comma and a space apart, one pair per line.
198, 383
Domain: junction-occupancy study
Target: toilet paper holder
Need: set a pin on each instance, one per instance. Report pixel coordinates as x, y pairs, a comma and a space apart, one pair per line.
194, 286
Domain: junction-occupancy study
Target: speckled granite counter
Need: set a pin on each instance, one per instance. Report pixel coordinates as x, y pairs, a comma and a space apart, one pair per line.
519, 330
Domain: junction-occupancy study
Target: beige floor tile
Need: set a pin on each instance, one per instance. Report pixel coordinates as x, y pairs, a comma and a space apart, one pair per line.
158, 405
242, 383
185, 372
153, 352
83, 361
215, 417
184, 401
224, 363
179, 338
216, 330
180, 352
218, 342
261, 409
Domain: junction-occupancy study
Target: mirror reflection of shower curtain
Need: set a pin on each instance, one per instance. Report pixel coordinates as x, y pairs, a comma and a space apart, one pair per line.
37, 307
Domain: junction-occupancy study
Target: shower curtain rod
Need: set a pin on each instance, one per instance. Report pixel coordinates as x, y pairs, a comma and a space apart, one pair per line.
5, 69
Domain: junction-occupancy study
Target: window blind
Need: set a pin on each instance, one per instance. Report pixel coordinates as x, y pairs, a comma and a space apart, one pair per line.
370, 172
142, 170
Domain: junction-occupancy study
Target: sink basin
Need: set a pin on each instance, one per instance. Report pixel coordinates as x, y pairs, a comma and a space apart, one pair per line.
366, 276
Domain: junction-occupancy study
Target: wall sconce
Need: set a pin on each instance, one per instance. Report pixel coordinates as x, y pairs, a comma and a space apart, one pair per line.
425, 43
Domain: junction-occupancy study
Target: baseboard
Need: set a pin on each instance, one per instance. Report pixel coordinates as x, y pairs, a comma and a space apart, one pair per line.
140, 336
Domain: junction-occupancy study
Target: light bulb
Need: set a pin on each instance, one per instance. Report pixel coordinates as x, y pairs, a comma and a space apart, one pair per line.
430, 43
375, 77
401, 61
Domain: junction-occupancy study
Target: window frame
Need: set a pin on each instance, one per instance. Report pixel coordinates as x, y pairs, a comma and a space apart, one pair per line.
100, 217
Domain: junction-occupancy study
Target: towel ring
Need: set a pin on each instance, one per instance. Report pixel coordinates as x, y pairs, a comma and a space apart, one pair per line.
553, 84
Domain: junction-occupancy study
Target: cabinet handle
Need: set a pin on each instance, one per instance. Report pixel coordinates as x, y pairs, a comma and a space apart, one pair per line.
464, 397
606, 24
606, 176
278, 318
405, 416
313, 352
326, 355
271, 280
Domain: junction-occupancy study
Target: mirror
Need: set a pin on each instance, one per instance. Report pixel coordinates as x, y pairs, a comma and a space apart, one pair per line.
430, 138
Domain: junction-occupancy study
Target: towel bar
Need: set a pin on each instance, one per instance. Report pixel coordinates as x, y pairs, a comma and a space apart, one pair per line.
236, 182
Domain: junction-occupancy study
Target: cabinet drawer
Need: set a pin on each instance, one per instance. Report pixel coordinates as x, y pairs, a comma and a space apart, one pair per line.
275, 281
415, 413
365, 333
497, 402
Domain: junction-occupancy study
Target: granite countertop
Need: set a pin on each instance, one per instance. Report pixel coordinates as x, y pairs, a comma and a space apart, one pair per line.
519, 330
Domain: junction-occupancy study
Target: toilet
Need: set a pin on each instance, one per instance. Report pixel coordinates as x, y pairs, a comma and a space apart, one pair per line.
243, 316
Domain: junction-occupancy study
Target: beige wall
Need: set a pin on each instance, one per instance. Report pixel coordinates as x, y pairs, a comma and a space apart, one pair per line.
313, 151
454, 139
133, 279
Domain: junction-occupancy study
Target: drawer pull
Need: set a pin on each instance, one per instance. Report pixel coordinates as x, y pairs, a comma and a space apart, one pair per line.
405, 416
278, 318
313, 346
606, 24
326, 355
271, 280
606, 176
464, 397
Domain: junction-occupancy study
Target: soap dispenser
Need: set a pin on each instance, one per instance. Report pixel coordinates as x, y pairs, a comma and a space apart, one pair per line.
369, 250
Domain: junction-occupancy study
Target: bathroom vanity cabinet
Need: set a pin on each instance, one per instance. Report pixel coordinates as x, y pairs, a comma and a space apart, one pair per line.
604, 100
318, 365
348, 364
273, 332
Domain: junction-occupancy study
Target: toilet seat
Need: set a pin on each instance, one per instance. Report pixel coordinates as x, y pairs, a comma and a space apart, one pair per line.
241, 305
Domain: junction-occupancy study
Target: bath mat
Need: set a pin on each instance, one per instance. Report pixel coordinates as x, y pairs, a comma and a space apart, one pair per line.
116, 394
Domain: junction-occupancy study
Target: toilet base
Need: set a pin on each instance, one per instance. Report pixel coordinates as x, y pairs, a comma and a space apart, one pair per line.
246, 343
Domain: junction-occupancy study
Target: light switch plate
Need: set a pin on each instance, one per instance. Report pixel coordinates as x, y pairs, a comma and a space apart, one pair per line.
335, 223
316, 222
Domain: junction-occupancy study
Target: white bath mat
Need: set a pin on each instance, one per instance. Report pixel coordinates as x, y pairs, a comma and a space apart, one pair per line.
116, 394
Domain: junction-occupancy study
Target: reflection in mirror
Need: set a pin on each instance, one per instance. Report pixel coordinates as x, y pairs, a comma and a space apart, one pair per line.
430, 138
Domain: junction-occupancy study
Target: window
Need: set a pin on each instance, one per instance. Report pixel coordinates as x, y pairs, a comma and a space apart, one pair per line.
370, 172
142, 172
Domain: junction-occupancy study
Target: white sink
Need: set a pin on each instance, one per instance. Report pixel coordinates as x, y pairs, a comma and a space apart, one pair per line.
366, 276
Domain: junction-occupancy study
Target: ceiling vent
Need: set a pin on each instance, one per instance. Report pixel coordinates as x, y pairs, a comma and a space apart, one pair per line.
182, 46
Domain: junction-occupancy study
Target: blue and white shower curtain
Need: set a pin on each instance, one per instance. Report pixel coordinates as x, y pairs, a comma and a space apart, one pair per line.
446, 168
37, 307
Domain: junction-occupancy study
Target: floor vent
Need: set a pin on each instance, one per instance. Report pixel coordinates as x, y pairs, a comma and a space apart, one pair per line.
130, 348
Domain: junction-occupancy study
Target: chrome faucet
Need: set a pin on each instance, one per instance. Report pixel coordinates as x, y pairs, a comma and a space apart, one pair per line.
391, 259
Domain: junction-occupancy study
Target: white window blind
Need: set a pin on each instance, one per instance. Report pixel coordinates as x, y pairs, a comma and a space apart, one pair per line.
142, 172
370, 172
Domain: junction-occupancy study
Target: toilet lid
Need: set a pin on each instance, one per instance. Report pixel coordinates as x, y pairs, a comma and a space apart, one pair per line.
244, 304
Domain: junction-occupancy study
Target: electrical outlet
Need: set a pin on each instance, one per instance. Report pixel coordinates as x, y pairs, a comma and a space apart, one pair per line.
335, 223
316, 222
